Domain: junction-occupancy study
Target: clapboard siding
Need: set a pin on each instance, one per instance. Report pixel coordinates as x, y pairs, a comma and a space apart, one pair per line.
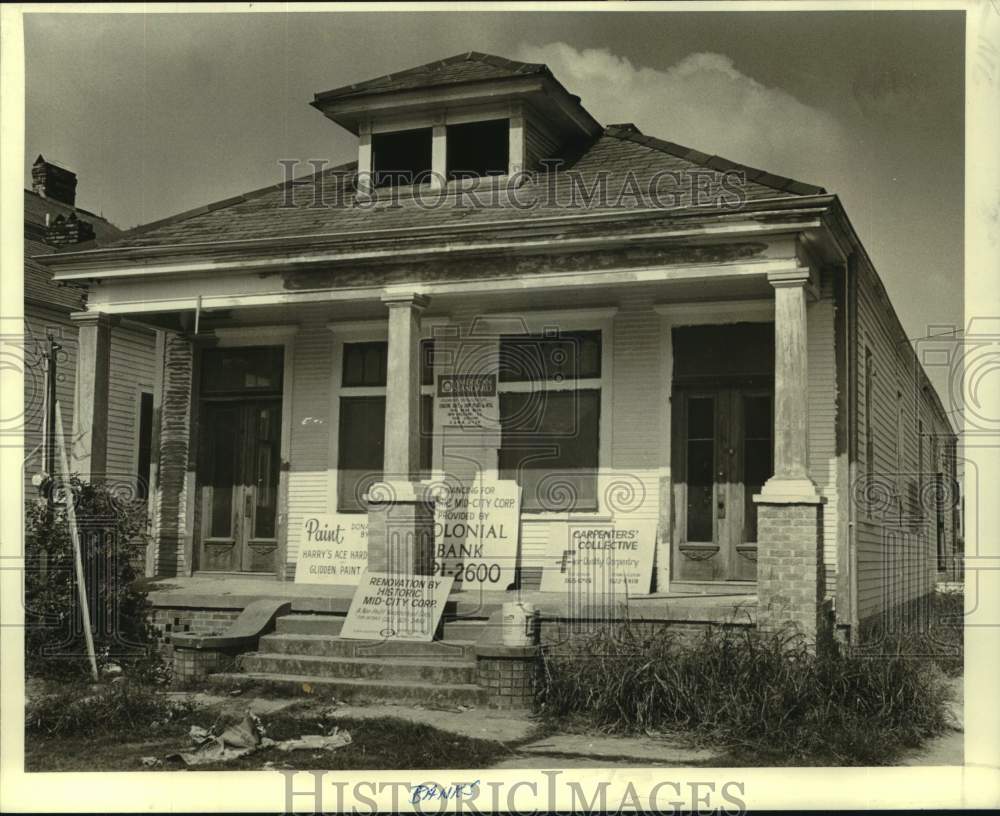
133, 360
538, 144
895, 528
821, 351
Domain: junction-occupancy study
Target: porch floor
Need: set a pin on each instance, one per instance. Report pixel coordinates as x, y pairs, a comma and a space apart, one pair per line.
235, 592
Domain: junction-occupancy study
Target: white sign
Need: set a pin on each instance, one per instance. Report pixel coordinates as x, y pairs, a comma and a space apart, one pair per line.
614, 558
467, 401
476, 532
333, 549
396, 607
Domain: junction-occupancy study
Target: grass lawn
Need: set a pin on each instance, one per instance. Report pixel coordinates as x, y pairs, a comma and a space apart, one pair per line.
380, 743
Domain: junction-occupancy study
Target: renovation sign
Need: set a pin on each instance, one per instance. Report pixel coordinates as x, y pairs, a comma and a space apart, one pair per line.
396, 607
607, 558
333, 549
476, 533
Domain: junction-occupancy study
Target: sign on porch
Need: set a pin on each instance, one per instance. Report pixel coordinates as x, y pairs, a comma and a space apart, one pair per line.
476, 533
467, 401
333, 549
396, 607
614, 558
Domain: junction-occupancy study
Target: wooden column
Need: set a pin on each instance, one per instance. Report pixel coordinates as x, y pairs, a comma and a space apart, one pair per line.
89, 451
400, 513
402, 389
791, 390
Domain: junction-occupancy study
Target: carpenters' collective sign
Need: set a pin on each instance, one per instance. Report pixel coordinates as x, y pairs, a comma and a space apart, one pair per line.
476, 533
601, 559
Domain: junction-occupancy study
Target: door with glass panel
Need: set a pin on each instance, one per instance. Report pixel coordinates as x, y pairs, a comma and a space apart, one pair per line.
240, 457
722, 455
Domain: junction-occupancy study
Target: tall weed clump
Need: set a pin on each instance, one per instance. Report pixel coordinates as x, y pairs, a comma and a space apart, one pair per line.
766, 693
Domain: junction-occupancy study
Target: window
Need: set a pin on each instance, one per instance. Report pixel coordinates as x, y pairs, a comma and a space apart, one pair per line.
144, 456
361, 432
478, 149
869, 429
245, 370
403, 157
550, 412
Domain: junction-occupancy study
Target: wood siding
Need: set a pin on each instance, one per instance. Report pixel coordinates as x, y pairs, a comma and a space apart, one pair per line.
895, 525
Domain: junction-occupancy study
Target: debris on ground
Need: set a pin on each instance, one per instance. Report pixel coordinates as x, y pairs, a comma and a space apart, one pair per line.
248, 736
151, 762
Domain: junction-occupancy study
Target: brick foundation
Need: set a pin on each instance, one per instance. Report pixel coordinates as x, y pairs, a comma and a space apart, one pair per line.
190, 664
167, 621
790, 573
510, 675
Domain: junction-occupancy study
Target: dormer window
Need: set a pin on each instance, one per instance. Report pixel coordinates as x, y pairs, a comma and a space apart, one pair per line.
478, 149
403, 157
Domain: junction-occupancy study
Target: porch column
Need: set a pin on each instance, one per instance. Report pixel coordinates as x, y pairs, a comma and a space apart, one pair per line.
791, 389
400, 513
89, 443
790, 574
402, 388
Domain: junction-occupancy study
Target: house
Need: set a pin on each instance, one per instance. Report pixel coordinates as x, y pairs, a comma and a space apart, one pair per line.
638, 334
52, 223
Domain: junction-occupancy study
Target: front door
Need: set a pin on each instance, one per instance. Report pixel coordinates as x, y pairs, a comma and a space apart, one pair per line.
722, 454
240, 457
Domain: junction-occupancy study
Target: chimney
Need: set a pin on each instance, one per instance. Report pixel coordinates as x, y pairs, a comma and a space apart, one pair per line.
50, 181
72, 230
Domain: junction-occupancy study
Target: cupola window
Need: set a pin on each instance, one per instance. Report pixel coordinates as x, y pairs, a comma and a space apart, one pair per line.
478, 149
403, 157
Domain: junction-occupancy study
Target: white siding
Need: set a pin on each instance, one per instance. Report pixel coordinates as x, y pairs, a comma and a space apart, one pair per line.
133, 360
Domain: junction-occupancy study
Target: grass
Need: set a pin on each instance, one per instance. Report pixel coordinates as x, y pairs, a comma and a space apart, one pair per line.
767, 697
112, 728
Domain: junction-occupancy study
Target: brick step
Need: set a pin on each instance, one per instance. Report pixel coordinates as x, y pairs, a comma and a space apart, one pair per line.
303, 624
360, 690
332, 646
431, 670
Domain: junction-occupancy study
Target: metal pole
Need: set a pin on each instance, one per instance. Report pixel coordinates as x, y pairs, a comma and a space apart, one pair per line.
75, 536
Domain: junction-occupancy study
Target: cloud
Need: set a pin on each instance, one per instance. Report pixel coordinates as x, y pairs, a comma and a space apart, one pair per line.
703, 102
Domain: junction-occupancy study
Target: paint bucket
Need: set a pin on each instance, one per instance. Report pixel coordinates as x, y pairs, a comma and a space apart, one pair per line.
519, 624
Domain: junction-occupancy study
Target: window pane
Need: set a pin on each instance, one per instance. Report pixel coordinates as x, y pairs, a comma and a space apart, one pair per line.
478, 149
228, 370
365, 364
536, 358
427, 362
549, 444
700, 468
268, 457
403, 157
224, 427
758, 449
426, 435
360, 453
145, 444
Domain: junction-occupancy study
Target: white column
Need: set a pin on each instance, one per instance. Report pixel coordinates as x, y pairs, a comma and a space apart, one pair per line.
402, 392
89, 445
790, 481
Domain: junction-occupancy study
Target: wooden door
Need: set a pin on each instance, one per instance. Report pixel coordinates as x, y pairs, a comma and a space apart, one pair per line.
240, 458
722, 454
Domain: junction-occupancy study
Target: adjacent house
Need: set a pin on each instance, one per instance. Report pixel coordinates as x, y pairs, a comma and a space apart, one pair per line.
653, 336
53, 313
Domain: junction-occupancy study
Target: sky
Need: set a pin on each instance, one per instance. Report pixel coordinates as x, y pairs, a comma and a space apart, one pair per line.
157, 114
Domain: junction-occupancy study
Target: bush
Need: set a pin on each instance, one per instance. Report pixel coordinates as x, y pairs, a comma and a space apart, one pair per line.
112, 538
763, 692
122, 708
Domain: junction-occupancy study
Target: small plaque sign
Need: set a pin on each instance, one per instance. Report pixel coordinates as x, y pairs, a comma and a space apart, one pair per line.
613, 558
396, 607
467, 401
333, 549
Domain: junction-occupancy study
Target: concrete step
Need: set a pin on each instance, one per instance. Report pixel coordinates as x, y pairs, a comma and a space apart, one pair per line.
304, 624
359, 690
309, 624
331, 646
406, 669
